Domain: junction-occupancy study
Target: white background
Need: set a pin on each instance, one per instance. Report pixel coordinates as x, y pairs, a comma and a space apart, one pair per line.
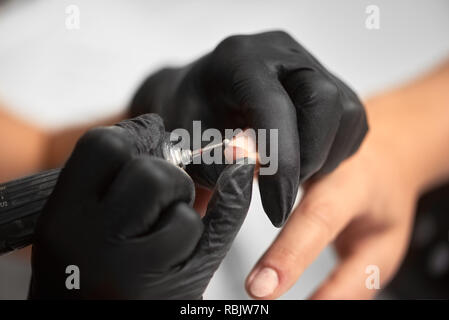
56, 77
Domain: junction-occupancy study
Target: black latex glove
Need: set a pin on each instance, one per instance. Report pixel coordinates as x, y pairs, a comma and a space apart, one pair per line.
267, 81
125, 220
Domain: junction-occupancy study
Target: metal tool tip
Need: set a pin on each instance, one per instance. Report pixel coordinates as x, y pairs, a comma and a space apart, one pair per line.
226, 142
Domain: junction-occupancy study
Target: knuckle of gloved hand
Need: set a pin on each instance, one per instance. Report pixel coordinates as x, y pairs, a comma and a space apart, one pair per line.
290, 164
234, 44
157, 176
362, 125
281, 35
160, 77
355, 120
104, 141
354, 109
167, 72
326, 91
189, 221
312, 164
144, 170
360, 129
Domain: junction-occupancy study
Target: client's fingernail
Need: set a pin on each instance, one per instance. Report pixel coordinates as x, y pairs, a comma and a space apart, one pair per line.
241, 146
264, 282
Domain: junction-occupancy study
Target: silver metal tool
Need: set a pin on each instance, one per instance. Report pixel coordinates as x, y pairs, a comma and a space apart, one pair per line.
182, 157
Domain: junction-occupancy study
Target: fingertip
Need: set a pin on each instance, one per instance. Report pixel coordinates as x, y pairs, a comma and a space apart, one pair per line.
227, 209
278, 197
243, 145
236, 179
274, 274
262, 283
279, 189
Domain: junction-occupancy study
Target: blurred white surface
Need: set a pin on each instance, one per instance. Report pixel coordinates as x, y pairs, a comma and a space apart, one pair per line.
56, 77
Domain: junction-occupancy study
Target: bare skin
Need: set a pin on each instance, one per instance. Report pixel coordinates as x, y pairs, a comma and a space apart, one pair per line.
23, 147
27, 148
366, 206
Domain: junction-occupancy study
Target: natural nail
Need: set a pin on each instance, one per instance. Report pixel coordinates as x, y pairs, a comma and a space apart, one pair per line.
264, 282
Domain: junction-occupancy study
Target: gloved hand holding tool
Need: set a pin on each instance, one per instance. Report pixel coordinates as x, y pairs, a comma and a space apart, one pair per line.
124, 219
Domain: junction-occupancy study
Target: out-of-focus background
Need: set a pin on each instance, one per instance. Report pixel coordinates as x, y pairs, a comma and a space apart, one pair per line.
56, 77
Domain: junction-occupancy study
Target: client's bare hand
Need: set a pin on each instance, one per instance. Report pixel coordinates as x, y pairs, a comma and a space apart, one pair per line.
366, 206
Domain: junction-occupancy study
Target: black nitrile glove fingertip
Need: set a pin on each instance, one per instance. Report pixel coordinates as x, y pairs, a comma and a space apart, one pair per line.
227, 210
278, 197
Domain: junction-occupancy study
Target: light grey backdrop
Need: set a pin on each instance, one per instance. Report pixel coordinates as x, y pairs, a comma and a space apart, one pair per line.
56, 77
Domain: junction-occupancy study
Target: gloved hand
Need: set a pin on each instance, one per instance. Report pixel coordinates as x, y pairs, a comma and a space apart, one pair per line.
264, 81
125, 220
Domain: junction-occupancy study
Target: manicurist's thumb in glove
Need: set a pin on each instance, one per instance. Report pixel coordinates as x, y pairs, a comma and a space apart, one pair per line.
119, 224
263, 81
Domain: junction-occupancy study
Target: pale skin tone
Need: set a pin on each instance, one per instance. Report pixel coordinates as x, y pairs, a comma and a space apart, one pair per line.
27, 148
365, 207
26, 158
